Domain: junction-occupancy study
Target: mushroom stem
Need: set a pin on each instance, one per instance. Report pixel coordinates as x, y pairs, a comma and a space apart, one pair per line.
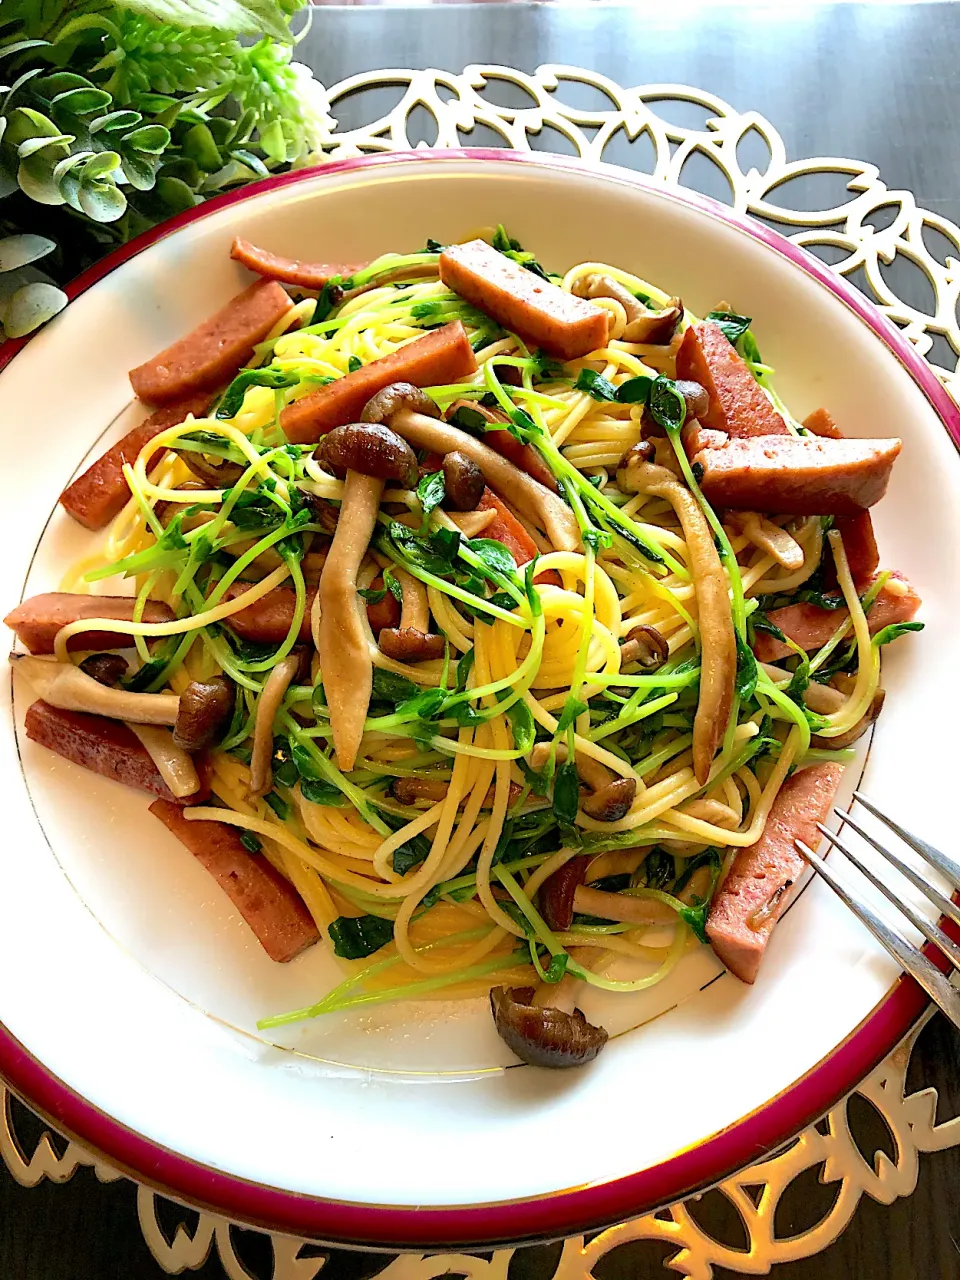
346, 665
174, 765
620, 906
530, 498
277, 684
592, 772
563, 995
415, 609
65, 686
718, 649
769, 537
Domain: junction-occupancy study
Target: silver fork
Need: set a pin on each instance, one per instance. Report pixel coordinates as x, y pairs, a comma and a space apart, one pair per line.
934, 983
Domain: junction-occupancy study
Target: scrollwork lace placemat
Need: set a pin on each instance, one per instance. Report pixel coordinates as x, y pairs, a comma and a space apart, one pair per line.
907, 260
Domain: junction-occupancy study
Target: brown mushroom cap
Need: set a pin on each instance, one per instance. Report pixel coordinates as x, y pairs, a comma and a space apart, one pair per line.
205, 706
463, 482
695, 397
106, 668
407, 644
656, 327
556, 892
644, 644
544, 1037
399, 395
218, 476
612, 802
372, 449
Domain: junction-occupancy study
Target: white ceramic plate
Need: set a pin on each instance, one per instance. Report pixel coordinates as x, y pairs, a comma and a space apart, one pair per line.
131, 988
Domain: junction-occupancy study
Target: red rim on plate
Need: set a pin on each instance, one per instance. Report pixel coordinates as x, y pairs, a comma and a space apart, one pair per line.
561, 1213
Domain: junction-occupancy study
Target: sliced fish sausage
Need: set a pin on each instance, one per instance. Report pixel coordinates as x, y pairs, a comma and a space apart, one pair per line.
752, 898
104, 746
792, 475
272, 266
441, 356
506, 528
213, 352
541, 312
100, 494
822, 424
860, 546
524, 456
37, 620
268, 903
737, 403
268, 619
811, 627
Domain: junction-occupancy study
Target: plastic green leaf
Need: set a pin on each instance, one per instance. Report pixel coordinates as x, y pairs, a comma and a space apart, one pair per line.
61, 82
35, 179
176, 195
103, 162
200, 146
31, 306
20, 251
236, 17
102, 201
63, 167
139, 172
32, 145
115, 120
20, 46
81, 101
150, 138
273, 142
26, 123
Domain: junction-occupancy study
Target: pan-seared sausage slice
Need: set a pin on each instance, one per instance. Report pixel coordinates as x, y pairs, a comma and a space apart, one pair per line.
213, 352
269, 903
524, 456
737, 404
860, 546
100, 494
811, 627
822, 424
797, 475
37, 620
752, 898
272, 266
506, 528
268, 619
104, 746
441, 356
541, 312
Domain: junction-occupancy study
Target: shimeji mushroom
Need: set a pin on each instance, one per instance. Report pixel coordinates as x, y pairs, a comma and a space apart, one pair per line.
370, 454
205, 707
275, 686
718, 656
611, 795
412, 641
413, 415
65, 686
644, 645
542, 1025
643, 325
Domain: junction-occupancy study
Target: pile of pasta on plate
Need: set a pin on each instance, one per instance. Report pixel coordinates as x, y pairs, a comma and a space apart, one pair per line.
482, 625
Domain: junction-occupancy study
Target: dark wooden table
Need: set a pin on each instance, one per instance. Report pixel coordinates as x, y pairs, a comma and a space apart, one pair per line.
873, 82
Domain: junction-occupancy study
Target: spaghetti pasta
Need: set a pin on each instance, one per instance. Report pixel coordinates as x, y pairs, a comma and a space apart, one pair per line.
443, 833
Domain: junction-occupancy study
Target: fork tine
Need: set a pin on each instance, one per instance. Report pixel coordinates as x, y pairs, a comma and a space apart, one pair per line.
929, 930
926, 974
948, 866
943, 905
